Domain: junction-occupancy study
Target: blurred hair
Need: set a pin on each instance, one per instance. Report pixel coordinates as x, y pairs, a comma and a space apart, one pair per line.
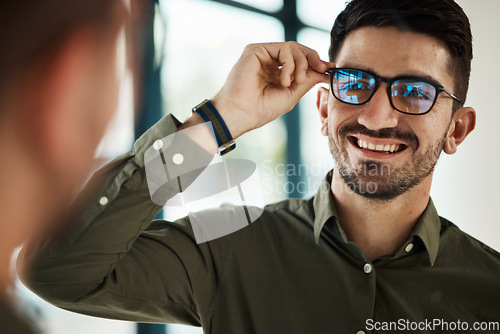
444, 20
32, 31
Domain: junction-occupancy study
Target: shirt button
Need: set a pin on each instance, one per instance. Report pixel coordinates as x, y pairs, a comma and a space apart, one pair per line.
409, 247
158, 144
360, 332
103, 200
368, 268
178, 159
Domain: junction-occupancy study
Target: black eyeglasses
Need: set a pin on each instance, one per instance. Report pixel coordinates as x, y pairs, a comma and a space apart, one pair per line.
409, 95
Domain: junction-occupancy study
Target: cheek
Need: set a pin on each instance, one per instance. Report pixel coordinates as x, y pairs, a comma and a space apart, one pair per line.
431, 129
338, 115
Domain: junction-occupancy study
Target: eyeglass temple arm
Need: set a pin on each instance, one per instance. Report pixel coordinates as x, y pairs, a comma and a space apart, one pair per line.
453, 96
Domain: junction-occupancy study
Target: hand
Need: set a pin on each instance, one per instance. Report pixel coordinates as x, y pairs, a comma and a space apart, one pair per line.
267, 82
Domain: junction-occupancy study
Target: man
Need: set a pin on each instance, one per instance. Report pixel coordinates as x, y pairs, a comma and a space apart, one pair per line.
58, 91
368, 253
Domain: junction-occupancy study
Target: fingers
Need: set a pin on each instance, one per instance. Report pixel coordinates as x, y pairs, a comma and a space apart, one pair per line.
294, 59
266, 82
287, 62
298, 90
309, 70
301, 64
315, 61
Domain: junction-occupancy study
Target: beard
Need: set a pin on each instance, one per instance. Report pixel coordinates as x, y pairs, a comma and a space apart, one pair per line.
380, 181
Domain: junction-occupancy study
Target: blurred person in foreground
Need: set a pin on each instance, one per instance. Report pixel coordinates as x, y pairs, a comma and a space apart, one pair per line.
58, 90
367, 253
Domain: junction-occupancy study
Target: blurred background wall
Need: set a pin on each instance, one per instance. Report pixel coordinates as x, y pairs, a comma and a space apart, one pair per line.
467, 185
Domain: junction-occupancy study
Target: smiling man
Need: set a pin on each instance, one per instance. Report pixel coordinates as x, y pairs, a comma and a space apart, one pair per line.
388, 116
368, 253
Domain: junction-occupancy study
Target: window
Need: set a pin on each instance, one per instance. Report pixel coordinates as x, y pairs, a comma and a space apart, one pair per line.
317, 157
267, 5
204, 40
319, 14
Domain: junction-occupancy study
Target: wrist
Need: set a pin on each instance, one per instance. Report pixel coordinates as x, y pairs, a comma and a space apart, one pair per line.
203, 136
236, 121
221, 132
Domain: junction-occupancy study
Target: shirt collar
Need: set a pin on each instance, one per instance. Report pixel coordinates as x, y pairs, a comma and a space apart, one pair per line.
324, 207
427, 228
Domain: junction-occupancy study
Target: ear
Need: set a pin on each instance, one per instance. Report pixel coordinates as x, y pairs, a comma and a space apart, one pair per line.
463, 122
322, 105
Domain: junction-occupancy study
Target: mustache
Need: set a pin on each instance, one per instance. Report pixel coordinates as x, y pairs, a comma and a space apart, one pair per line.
408, 137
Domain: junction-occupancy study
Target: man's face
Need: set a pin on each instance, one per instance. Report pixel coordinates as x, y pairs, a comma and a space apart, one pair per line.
419, 139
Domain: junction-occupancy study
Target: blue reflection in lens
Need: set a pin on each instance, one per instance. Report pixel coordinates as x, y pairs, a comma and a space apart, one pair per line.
353, 86
414, 91
416, 96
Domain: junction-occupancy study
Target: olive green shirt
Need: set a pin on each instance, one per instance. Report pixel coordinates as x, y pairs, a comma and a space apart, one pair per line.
291, 271
10, 322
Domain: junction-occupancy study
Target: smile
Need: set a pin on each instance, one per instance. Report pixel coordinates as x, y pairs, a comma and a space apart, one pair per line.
377, 146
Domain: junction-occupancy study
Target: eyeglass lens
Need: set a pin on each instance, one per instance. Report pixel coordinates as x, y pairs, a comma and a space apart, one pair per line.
407, 95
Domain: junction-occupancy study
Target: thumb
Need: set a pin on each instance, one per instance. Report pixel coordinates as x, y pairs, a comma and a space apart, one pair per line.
313, 78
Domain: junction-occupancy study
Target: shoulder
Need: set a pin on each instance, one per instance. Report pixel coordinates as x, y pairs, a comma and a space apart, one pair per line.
453, 239
300, 208
251, 223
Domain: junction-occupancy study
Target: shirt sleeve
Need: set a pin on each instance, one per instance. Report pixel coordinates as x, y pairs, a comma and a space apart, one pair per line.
113, 260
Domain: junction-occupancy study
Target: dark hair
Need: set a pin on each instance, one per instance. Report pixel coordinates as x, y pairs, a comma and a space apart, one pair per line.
32, 30
444, 20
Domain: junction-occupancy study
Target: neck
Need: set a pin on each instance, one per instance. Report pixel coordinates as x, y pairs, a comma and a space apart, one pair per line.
379, 228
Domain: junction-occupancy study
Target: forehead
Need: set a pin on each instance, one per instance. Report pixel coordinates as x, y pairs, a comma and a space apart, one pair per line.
390, 52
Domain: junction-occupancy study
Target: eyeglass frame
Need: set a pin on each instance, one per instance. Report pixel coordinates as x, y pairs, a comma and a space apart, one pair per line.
390, 81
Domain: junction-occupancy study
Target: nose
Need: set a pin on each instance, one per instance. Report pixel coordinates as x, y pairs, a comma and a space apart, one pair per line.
378, 113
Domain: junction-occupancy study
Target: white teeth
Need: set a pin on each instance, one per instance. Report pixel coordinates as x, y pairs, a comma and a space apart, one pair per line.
381, 148
362, 143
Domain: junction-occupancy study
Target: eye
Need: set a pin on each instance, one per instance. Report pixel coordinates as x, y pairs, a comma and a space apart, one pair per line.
355, 85
414, 90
